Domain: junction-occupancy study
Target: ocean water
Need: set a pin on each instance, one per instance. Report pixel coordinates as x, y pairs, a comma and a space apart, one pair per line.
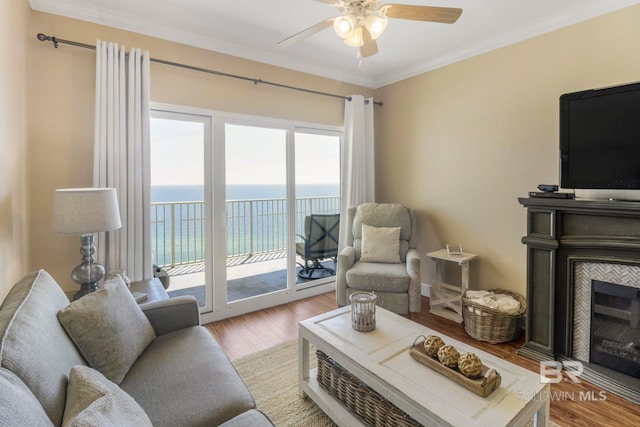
192, 193
252, 227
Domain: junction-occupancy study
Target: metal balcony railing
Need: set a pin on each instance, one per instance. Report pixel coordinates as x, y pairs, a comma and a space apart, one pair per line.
254, 226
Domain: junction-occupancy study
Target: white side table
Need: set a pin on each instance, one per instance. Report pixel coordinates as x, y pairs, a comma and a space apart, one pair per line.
446, 299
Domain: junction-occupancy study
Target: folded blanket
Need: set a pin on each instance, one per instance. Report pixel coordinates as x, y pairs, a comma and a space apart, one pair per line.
507, 304
501, 302
478, 294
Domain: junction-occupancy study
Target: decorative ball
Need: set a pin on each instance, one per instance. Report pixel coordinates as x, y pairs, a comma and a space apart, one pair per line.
448, 356
470, 365
432, 344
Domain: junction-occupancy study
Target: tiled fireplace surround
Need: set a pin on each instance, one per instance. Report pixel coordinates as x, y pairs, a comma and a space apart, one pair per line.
585, 272
569, 244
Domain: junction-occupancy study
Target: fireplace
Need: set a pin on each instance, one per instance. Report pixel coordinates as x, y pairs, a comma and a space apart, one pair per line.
615, 336
583, 284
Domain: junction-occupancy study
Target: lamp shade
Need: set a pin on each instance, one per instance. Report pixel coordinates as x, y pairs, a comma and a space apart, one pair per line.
85, 210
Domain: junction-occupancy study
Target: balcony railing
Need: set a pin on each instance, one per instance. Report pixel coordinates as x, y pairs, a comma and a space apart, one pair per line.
254, 226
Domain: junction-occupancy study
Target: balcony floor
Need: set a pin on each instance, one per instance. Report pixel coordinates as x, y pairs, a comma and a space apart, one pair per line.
246, 276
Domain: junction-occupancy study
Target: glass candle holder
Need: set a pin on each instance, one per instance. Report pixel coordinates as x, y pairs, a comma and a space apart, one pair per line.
363, 311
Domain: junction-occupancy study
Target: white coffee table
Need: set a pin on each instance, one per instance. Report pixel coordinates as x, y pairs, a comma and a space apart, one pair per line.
381, 360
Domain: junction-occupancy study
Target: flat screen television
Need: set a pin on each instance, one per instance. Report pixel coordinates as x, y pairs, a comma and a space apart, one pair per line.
600, 138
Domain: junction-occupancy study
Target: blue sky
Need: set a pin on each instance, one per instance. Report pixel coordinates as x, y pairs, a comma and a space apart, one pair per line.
253, 155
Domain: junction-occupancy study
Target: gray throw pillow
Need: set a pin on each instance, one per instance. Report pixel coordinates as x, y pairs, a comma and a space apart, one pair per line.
19, 406
94, 401
109, 329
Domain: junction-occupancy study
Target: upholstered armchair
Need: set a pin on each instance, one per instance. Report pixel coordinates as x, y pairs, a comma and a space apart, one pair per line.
381, 257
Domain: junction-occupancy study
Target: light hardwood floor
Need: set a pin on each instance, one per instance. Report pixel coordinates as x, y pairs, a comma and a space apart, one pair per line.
253, 332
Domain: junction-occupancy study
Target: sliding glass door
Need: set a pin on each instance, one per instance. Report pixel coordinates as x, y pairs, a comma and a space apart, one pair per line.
179, 143
257, 210
317, 205
232, 198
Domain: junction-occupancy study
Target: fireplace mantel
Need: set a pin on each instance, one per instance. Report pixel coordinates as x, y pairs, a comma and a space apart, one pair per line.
560, 234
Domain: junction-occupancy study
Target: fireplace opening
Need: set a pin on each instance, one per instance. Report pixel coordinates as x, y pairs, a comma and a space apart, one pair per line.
615, 332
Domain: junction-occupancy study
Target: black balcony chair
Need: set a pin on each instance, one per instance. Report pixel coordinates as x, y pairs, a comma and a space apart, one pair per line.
319, 242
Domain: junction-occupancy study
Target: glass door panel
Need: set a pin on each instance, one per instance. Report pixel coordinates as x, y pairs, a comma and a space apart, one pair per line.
178, 210
317, 189
256, 209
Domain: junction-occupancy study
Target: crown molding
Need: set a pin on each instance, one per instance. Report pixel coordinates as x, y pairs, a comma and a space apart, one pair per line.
129, 23
563, 18
366, 78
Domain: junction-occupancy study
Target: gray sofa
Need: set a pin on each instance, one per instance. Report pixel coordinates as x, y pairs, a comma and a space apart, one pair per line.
182, 378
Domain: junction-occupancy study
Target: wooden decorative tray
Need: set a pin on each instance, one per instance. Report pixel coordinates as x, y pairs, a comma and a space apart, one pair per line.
483, 386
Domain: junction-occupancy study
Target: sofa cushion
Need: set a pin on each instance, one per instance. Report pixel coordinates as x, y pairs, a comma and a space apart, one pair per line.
109, 328
380, 244
378, 277
189, 365
19, 406
33, 345
94, 401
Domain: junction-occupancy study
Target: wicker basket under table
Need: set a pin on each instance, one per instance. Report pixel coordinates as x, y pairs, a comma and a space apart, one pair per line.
487, 324
359, 398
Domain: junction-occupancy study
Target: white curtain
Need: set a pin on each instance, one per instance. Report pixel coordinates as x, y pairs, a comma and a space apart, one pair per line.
121, 155
358, 178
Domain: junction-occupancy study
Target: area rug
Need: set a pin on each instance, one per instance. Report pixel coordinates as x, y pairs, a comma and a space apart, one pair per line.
272, 378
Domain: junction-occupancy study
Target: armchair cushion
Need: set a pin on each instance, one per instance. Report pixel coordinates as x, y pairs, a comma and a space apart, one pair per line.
380, 244
94, 401
378, 277
108, 328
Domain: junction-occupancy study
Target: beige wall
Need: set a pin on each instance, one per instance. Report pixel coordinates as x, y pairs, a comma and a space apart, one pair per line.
460, 143
62, 89
14, 193
463, 142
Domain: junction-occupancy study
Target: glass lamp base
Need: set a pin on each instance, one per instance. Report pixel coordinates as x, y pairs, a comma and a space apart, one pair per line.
85, 288
88, 273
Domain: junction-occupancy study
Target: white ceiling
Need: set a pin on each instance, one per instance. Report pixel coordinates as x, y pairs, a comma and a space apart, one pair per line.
252, 28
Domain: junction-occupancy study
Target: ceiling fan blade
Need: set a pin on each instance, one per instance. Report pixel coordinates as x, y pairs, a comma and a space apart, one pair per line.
289, 41
369, 47
445, 15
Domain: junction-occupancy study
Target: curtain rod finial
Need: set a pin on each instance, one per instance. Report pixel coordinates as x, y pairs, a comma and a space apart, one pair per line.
45, 38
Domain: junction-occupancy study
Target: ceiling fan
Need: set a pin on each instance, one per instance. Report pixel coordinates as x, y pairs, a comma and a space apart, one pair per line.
363, 21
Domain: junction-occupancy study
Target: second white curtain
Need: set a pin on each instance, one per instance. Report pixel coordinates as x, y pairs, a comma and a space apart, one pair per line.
121, 155
358, 178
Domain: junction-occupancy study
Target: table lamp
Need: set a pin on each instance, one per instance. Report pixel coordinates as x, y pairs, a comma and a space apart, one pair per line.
84, 212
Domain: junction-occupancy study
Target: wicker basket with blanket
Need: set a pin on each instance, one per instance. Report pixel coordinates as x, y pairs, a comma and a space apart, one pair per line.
493, 316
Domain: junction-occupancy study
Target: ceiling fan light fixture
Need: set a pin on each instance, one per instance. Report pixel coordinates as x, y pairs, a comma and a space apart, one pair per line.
375, 25
363, 21
344, 25
355, 38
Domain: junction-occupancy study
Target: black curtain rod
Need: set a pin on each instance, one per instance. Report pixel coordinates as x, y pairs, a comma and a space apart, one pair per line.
55, 41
